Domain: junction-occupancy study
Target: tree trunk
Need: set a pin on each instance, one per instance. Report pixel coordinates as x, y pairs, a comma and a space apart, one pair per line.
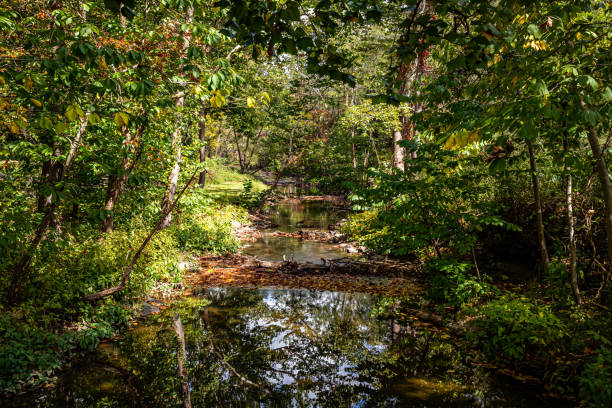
606, 187
115, 185
117, 182
182, 360
571, 222
545, 262
172, 179
176, 139
572, 240
202, 178
398, 151
52, 170
20, 271
353, 149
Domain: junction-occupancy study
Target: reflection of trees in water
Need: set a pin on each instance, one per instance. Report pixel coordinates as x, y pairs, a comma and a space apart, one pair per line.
276, 348
304, 346
313, 213
308, 348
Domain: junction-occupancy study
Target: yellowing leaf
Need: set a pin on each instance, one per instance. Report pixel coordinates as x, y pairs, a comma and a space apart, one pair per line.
217, 101
121, 119
46, 123
250, 102
71, 113
28, 83
14, 127
36, 102
102, 64
94, 119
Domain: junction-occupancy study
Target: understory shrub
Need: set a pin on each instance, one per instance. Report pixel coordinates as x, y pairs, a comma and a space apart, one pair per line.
517, 328
83, 266
363, 227
31, 349
454, 283
596, 378
249, 198
210, 230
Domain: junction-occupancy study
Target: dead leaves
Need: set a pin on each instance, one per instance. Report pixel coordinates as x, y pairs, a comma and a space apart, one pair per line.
216, 272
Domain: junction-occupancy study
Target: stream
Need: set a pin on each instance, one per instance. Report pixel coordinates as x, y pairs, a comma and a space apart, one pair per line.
274, 347
292, 216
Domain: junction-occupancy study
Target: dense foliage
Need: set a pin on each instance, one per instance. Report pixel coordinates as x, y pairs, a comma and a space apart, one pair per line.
471, 136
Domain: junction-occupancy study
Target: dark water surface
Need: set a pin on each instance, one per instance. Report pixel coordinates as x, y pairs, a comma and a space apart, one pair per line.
281, 348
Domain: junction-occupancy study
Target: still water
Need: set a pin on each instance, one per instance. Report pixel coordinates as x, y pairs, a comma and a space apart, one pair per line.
292, 216
281, 348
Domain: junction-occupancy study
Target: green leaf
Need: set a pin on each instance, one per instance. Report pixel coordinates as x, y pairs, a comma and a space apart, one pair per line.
591, 116
528, 131
292, 11
94, 119
590, 81
541, 88
46, 123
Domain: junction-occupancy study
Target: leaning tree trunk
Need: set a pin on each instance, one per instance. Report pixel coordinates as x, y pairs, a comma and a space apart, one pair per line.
176, 140
545, 262
606, 187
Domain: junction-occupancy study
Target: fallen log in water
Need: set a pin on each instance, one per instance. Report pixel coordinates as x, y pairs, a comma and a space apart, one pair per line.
324, 236
346, 265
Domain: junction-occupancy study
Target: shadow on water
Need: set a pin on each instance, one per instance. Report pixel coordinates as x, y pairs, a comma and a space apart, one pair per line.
282, 348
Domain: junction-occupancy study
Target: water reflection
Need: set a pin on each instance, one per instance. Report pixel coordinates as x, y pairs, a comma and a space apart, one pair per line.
275, 249
281, 348
291, 216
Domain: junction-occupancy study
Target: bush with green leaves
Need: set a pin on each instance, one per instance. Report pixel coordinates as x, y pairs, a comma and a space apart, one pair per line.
210, 230
439, 201
249, 198
31, 349
596, 378
89, 262
517, 328
454, 282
